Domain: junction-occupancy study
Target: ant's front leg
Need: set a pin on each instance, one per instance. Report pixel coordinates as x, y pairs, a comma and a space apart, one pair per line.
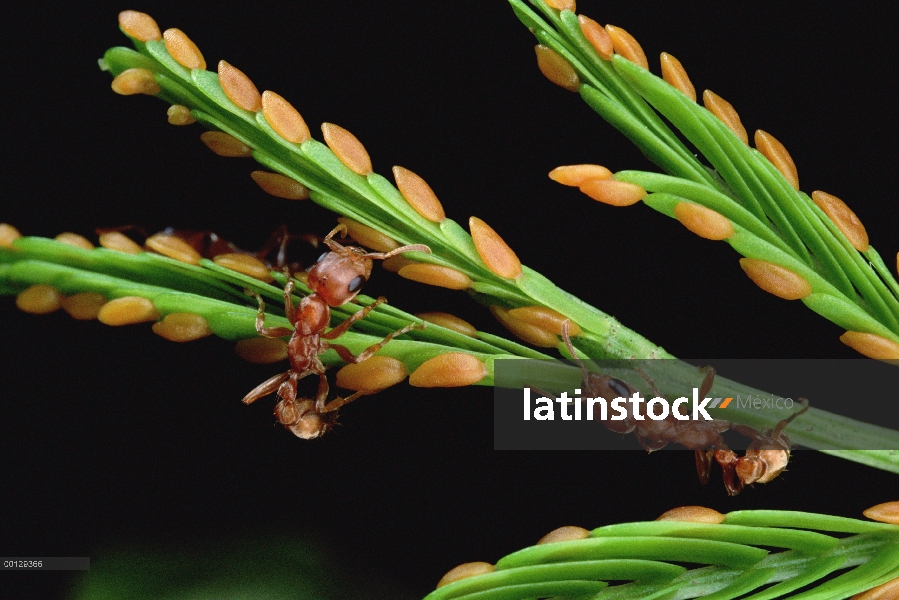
261, 329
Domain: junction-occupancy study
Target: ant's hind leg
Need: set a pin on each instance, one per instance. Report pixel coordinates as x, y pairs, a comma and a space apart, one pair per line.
728, 461
704, 464
347, 356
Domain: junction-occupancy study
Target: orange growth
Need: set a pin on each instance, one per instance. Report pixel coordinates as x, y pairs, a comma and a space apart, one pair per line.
348, 148
239, 88
674, 73
419, 194
556, 69
494, 251
183, 50
844, 218
725, 111
627, 46
775, 279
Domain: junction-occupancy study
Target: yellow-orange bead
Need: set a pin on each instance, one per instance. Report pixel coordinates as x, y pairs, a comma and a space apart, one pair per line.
419, 194
139, 26
692, 514
39, 299
115, 240
179, 115
703, 221
531, 334
246, 264
127, 310
493, 250
368, 236
616, 193
674, 73
8, 234
726, 113
372, 374
239, 88
225, 144
545, 318
449, 322
284, 118
844, 218
556, 69
347, 148
182, 327
173, 247
775, 279
464, 571
887, 512
454, 369
627, 46
73, 239
578, 175
436, 275
562, 4
135, 81
84, 306
183, 49
777, 154
567, 533
262, 350
884, 591
597, 36
280, 186
871, 345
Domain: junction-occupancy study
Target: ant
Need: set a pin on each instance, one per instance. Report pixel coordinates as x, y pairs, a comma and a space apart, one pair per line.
766, 457
335, 279
209, 244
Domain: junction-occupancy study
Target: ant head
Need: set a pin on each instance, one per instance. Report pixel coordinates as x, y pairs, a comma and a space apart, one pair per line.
339, 274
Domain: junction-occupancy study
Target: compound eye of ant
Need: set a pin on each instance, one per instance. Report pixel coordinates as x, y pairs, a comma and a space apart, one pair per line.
356, 284
619, 387
322, 257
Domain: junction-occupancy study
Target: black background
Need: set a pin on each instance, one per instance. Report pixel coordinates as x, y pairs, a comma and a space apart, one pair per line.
114, 437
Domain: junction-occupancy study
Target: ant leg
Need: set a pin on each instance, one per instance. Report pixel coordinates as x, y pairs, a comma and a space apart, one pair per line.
585, 374
347, 356
708, 381
778, 429
337, 403
266, 387
728, 461
704, 464
289, 310
321, 396
261, 329
357, 316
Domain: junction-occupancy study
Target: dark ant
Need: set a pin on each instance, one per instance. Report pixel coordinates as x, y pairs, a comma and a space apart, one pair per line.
209, 244
766, 457
334, 280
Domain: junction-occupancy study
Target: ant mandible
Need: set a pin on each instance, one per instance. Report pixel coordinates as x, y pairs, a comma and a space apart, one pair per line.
334, 280
766, 457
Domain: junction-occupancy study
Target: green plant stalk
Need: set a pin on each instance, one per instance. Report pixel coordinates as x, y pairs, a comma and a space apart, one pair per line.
780, 225
735, 552
374, 201
218, 294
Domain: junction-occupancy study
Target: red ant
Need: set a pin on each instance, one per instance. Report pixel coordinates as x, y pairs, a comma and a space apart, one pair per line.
334, 280
766, 457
